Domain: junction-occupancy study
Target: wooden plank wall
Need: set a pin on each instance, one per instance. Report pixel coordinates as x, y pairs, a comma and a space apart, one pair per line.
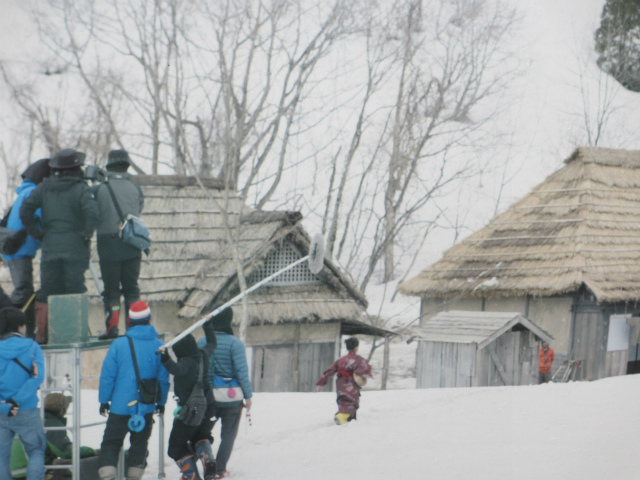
315, 358
444, 365
616, 363
588, 345
517, 353
273, 369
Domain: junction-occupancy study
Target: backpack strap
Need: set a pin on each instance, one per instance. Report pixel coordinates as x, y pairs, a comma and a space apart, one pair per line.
22, 365
115, 201
135, 360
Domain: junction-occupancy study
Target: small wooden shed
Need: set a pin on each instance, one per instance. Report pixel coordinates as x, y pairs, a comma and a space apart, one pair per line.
478, 349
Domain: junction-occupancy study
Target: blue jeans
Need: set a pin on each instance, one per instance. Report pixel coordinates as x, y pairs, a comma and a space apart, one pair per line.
28, 425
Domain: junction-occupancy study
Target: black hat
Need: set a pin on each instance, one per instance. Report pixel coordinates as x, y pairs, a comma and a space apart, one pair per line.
37, 171
186, 347
11, 319
118, 157
67, 158
222, 321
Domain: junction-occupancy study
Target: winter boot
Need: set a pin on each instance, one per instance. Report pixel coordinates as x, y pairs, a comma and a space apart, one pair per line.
108, 473
204, 453
42, 323
112, 318
342, 418
188, 468
134, 473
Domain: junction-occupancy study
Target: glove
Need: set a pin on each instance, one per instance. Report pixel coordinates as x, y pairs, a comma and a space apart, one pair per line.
104, 409
160, 409
35, 231
14, 242
164, 356
7, 407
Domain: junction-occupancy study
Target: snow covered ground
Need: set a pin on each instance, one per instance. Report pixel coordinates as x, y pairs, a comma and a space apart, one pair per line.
581, 431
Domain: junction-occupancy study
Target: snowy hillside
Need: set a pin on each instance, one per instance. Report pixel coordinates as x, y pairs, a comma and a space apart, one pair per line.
576, 431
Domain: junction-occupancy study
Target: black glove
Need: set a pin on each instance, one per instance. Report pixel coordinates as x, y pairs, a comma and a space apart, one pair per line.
35, 231
164, 356
14, 242
104, 409
160, 409
13, 404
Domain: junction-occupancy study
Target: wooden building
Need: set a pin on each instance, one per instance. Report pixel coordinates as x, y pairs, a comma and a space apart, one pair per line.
565, 256
202, 236
477, 349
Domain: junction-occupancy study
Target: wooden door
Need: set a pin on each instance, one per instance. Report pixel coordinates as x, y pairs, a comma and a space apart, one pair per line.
314, 359
588, 346
273, 369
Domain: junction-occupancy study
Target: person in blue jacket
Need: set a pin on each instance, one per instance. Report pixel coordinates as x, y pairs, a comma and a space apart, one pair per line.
228, 366
118, 393
22, 367
20, 248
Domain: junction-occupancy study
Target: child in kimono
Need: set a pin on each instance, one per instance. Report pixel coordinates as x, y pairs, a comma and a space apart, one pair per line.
352, 372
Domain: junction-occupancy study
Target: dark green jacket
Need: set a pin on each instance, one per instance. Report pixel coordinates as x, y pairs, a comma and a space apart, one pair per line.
58, 446
69, 216
131, 201
58, 442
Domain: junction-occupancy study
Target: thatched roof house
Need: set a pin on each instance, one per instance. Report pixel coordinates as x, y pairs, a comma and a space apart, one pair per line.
575, 239
192, 259
201, 233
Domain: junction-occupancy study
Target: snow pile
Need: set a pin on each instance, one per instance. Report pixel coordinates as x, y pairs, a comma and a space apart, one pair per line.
578, 431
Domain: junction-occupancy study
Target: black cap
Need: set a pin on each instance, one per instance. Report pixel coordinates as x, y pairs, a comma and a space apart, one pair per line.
118, 157
67, 158
37, 171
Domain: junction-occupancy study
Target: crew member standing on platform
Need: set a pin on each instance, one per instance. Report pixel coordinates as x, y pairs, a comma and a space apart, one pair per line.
20, 248
69, 218
119, 262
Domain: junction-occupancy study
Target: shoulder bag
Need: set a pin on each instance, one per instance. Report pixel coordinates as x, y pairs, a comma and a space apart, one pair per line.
226, 390
132, 231
193, 410
148, 388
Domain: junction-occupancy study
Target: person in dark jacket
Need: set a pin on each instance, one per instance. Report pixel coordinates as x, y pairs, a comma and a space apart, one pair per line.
185, 440
20, 248
22, 367
228, 366
349, 368
69, 218
119, 262
119, 397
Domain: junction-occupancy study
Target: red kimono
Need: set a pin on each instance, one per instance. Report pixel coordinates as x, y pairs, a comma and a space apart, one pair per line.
347, 389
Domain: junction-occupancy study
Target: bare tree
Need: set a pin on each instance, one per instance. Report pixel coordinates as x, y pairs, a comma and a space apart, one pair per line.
441, 63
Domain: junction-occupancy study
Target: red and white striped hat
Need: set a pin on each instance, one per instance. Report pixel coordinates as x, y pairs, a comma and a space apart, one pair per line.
139, 313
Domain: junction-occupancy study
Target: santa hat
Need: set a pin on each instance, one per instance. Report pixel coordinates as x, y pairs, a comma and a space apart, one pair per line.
139, 313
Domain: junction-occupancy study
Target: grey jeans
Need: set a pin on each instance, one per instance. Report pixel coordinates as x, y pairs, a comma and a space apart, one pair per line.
21, 270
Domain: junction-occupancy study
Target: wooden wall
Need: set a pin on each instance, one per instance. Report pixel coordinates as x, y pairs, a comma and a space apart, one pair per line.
290, 358
445, 364
511, 360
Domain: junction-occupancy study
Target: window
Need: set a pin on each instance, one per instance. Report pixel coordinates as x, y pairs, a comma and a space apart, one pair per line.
279, 259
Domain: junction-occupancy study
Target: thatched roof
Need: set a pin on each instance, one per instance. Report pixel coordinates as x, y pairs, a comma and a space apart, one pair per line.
192, 257
482, 328
578, 227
